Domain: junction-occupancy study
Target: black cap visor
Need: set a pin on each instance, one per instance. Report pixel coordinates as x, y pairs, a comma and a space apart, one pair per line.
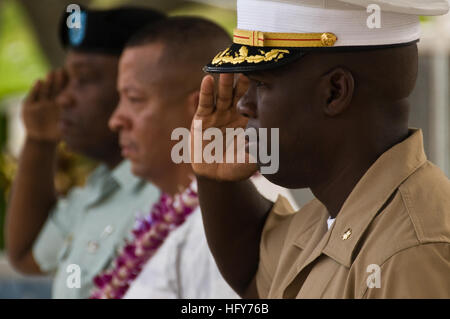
240, 58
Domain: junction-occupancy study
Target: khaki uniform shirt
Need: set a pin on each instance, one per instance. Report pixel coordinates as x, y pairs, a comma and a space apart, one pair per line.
391, 238
85, 229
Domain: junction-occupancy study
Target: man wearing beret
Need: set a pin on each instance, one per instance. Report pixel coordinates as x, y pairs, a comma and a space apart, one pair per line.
76, 237
337, 89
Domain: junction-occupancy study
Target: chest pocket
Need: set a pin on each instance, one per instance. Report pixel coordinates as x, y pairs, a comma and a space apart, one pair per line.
92, 258
100, 261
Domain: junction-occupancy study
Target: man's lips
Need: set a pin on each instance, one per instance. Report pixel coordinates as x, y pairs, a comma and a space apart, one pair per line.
252, 128
66, 124
129, 150
252, 143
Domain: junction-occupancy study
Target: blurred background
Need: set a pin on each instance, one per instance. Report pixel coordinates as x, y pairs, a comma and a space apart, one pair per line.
29, 48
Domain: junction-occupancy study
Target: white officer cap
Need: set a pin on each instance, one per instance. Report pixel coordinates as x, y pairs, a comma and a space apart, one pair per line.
270, 33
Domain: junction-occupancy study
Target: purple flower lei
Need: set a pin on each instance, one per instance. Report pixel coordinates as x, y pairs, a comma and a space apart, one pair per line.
149, 234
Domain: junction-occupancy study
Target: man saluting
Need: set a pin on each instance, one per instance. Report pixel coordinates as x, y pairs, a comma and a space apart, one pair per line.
337, 90
47, 234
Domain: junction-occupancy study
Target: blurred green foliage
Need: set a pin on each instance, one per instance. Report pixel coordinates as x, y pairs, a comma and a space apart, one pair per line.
225, 18
21, 60
21, 63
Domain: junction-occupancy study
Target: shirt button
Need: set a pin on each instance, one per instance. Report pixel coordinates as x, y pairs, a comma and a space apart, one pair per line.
68, 239
92, 246
347, 234
107, 231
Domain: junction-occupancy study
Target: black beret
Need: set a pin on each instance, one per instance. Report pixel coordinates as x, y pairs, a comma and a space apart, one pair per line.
105, 31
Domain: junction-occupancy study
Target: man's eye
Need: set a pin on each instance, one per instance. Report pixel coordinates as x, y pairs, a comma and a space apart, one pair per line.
260, 84
82, 80
134, 99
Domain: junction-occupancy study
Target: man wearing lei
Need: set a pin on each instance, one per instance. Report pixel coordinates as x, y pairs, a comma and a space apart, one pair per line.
159, 81
77, 234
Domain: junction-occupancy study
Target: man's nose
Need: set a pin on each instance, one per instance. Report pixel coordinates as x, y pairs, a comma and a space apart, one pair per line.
247, 105
66, 99
118, 120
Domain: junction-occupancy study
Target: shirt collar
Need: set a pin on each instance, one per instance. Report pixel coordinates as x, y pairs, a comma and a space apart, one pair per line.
123, 176
371, 193
103, 181
330, 222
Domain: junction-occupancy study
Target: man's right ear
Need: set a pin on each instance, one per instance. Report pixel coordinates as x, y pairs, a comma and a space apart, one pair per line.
338, 88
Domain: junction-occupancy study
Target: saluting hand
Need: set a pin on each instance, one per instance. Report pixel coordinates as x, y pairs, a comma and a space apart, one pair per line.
40, 110
218, 110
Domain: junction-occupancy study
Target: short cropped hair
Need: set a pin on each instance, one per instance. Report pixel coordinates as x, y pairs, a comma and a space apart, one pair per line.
190, 40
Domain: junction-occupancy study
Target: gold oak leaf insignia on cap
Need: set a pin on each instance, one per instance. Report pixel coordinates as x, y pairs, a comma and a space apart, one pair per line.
242, 56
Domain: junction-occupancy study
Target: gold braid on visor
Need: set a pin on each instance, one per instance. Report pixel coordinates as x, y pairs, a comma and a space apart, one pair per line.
289, 40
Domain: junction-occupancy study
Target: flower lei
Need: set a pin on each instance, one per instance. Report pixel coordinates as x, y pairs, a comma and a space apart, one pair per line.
149, 234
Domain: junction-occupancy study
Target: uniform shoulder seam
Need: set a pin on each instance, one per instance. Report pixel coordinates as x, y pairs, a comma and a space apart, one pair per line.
401, 251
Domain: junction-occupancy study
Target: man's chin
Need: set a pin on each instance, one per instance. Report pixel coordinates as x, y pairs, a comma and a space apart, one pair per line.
73, 145
285, 180
137, 169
